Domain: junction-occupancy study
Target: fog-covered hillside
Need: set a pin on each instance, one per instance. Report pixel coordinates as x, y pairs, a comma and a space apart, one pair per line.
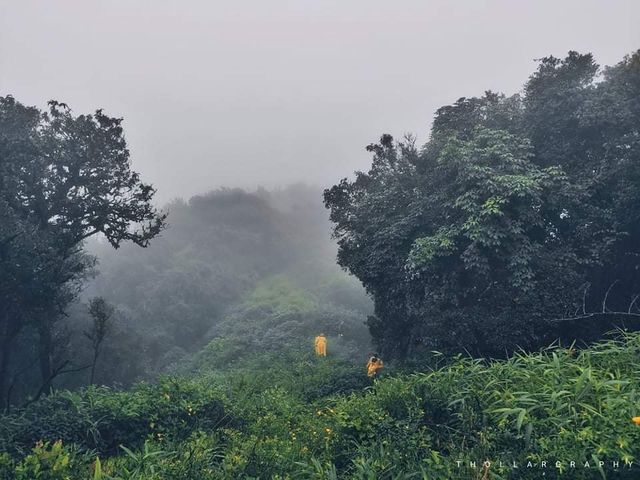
256, 269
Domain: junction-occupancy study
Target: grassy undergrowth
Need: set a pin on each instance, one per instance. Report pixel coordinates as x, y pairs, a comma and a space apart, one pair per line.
293, 416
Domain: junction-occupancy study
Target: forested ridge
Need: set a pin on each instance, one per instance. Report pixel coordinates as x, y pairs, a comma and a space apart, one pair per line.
250, 271
141, 342
256, 270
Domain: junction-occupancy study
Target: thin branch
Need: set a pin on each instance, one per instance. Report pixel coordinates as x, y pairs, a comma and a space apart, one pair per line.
604, 301
59, 371
632, 302
491, 284
595, 314
71, 370
584, 298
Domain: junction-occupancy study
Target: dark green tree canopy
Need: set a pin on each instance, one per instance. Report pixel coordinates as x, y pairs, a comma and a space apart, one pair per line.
72, 174
517, 212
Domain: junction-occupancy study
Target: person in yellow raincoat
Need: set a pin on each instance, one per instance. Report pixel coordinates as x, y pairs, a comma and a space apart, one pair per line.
321, 345
374, 364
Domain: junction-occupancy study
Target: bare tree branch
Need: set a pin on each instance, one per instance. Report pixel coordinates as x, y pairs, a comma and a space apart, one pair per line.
596, 314
584, 298
632, 302
604, 301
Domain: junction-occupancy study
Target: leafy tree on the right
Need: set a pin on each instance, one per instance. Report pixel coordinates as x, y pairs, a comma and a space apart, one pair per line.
517, 223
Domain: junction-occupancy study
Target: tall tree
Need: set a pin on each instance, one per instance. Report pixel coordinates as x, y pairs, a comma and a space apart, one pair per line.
518, 211
63, 178
100, 312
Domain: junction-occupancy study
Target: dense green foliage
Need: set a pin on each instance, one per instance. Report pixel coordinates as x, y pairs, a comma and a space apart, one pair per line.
518, 211
260, 422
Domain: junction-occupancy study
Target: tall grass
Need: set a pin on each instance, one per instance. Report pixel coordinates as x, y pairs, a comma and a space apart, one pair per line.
560, 404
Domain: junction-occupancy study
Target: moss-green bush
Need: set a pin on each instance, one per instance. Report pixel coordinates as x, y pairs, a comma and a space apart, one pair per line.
98, 418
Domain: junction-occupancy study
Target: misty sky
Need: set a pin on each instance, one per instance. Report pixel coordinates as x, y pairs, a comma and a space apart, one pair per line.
268, 92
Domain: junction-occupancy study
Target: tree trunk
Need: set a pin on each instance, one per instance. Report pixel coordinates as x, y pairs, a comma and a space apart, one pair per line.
45, 353
5, 361
9, 331
93, 366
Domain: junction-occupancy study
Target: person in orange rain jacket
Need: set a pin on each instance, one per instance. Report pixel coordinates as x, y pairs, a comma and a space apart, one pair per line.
321, 345
374, 364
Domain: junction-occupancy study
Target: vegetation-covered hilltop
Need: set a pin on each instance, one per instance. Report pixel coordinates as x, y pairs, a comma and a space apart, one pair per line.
247, 270
253, 270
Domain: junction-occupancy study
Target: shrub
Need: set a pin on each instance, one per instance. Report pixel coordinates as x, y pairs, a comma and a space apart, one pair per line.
555, 405
102, 419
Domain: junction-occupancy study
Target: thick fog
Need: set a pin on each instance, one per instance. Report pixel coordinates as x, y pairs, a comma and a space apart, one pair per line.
268, 93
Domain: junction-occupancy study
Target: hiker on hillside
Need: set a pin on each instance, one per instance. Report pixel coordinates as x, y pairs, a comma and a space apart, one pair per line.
374, 364
321, 345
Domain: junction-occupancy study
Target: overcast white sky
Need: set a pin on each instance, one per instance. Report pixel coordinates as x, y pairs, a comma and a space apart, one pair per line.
247, 93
